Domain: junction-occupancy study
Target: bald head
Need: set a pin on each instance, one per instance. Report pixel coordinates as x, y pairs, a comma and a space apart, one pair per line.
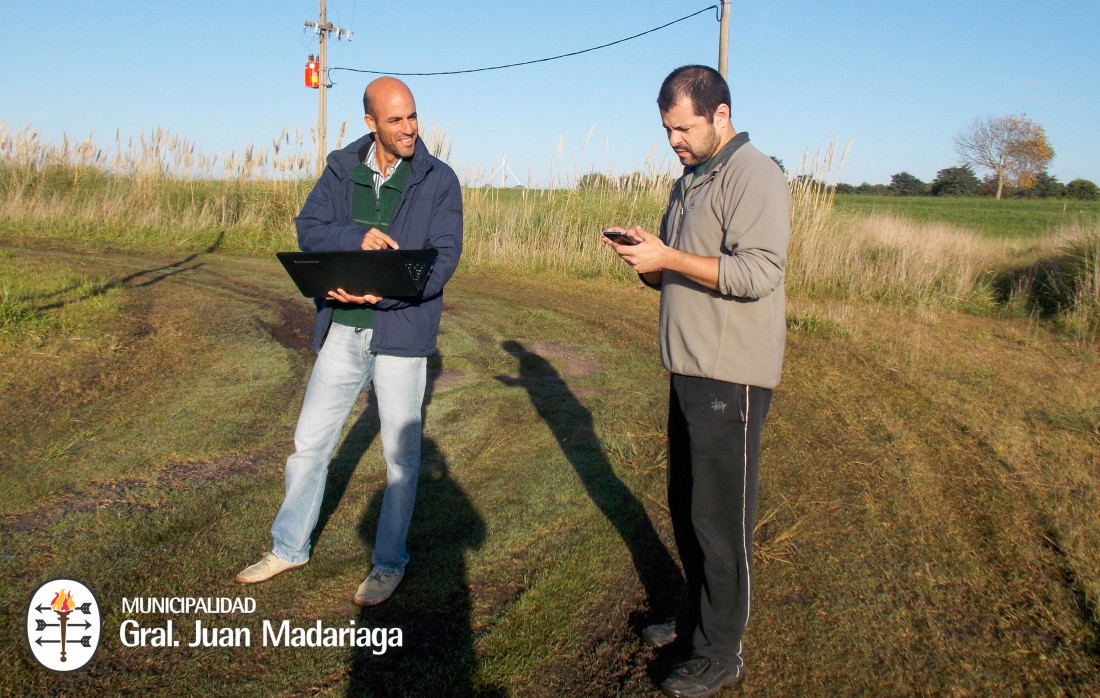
391, 115
384, 89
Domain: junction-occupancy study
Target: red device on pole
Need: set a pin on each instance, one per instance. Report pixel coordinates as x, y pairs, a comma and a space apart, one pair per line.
313, 73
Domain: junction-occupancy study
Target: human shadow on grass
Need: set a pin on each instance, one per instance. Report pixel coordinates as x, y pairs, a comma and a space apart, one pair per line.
572, 425
432, 605
138, 279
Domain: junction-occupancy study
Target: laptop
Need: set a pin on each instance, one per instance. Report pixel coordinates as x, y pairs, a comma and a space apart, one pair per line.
386, 273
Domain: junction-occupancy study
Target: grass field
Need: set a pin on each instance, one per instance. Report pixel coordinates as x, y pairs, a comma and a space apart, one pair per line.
928, 517
1005, 219
930, 486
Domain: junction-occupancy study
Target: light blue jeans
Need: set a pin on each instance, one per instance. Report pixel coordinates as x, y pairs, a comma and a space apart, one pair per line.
343, 368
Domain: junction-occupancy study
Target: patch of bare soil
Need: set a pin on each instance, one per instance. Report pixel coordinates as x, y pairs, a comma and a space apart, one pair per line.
609, 657
126, 494
291, 327
448, 378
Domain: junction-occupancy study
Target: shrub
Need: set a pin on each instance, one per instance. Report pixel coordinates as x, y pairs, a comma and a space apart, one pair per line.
956, 181
905, 184
1082, 189
1045, 186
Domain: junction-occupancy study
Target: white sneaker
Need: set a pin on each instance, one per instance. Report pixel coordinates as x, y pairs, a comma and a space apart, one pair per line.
376, 588
265, 569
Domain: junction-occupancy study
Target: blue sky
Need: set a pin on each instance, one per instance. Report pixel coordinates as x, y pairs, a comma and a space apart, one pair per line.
897, 79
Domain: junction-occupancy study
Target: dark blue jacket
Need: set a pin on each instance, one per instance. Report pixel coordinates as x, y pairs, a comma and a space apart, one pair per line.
429, 216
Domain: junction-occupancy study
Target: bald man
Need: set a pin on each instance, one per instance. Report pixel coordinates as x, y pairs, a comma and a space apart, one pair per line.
385, 190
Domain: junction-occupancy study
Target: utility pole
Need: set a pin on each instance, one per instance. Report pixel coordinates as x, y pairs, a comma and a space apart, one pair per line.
724, 38
323, 28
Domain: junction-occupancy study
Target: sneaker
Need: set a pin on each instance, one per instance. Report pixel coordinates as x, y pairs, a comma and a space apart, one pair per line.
660, 635
699, 677
376, 588
265, 569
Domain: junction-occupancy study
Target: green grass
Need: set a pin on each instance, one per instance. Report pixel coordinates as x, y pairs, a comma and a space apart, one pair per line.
929, 517
1008, 219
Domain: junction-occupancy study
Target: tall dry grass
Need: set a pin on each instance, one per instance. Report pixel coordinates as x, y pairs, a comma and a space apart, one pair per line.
161, 191
554, 230
157, 189
813, 190
886, 257
557, 229
878, 256
890, 258
1084, 249
1064, 281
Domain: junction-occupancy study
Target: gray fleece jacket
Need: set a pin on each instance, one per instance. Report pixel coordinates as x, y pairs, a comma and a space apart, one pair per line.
738, 211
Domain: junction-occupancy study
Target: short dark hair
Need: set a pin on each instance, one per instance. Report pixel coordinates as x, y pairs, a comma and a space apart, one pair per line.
366, 103
703, 85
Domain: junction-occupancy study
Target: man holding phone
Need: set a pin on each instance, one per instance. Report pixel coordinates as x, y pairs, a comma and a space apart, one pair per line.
719, 262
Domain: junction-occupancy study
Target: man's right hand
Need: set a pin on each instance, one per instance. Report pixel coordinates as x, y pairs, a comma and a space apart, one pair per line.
375, 239
645, 257
343, 297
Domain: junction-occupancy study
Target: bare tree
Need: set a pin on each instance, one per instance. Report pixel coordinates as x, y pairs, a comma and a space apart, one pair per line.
1014, 149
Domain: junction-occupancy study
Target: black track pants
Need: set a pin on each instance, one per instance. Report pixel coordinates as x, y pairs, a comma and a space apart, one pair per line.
714, 432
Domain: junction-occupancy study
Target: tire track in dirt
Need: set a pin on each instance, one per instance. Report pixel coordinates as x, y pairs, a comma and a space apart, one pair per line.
979, 490
284, 319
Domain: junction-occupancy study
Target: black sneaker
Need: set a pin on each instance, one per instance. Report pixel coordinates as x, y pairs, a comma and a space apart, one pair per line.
660, 635
699, 677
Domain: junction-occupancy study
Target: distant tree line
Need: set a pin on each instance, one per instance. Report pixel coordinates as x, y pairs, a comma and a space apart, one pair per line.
1014, 153
963, 181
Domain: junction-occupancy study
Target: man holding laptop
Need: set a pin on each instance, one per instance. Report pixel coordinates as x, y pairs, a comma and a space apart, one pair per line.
384, 191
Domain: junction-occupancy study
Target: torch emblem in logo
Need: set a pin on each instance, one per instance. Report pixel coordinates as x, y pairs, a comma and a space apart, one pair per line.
63, 625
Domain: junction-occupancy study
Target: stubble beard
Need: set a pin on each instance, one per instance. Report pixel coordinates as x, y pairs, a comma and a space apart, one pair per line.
711, 149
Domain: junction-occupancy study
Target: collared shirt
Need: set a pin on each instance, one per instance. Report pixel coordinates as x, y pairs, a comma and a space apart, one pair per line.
371, 161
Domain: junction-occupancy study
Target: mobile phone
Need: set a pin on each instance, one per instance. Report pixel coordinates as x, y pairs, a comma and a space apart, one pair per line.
619, 238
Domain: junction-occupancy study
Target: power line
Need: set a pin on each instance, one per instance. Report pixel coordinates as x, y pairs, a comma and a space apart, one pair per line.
538, 60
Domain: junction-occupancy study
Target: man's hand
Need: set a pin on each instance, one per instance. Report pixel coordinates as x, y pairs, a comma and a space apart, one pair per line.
648, 256
339, 295
651, 257
375, 239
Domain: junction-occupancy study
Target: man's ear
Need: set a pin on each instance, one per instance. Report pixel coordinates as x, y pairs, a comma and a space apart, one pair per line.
722, 113
370, 122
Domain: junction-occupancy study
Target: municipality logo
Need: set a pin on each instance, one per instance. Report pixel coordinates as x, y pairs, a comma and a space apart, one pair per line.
63, 625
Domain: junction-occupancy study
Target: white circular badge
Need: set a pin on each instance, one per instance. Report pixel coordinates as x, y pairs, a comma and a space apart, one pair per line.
63, 625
